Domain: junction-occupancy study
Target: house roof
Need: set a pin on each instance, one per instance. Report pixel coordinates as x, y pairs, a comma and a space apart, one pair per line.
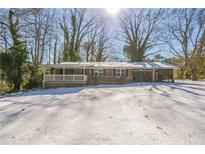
137, 65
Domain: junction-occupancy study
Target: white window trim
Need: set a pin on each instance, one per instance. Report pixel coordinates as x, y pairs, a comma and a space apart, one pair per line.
121, 72
98, 71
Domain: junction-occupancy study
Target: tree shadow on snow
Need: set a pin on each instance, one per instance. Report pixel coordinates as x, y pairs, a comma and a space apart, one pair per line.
71, 90
49, 102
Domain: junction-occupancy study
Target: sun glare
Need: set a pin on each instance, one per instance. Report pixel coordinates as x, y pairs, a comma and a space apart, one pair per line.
112, 11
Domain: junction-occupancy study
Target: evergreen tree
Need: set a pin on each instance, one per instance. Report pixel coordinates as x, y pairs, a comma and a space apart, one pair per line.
12, 61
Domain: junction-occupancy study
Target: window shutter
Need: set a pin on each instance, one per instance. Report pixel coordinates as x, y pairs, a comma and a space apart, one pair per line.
61, 71
126, 72
114, 71
104, 72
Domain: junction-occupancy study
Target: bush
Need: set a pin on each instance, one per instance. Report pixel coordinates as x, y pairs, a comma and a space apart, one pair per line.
33, 76
5, 87
184, 73
201, 68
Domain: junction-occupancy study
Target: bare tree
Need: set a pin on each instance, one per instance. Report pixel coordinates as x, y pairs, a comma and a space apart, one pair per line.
66, 39
97, 43
102, 46
184, 34
55, 51
76, 26
139, 28
89, 45
4, 38
38, 31
5, 35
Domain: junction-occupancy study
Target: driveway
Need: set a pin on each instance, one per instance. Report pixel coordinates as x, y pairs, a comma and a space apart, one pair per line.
156, 113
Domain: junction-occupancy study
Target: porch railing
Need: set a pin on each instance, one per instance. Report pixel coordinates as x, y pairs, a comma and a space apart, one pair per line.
110, 78
68, 78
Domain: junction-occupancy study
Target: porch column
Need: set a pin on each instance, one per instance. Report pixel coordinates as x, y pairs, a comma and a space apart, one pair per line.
84, 74
84, 71
153, 75
63, 72
54, 73
173, 75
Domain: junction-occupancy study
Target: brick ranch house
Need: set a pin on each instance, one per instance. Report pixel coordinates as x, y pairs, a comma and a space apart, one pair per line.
82, 73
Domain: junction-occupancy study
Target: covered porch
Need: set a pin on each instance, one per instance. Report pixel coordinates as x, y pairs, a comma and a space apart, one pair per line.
65, 74
72, 73
153, 75
84, 75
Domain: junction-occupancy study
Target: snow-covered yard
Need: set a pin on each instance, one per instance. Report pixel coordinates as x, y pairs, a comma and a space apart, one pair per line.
171, 113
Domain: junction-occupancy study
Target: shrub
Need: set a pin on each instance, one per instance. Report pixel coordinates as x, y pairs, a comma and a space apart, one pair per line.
5, 87
33, 76
184, 73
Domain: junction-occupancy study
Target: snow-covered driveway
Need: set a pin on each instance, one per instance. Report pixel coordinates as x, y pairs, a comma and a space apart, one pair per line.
106, 114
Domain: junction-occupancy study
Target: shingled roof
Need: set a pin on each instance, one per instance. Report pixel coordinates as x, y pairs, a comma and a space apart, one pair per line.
128, 65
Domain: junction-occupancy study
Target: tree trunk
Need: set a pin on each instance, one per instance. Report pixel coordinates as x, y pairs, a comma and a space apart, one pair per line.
55, 52
194, 74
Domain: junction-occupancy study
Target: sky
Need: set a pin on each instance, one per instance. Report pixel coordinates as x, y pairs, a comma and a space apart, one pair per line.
111, 19
114, 26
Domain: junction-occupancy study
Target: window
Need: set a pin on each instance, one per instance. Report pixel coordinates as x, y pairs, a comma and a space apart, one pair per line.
58, 71
98, 72
68, 71
123, 72
120, 72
